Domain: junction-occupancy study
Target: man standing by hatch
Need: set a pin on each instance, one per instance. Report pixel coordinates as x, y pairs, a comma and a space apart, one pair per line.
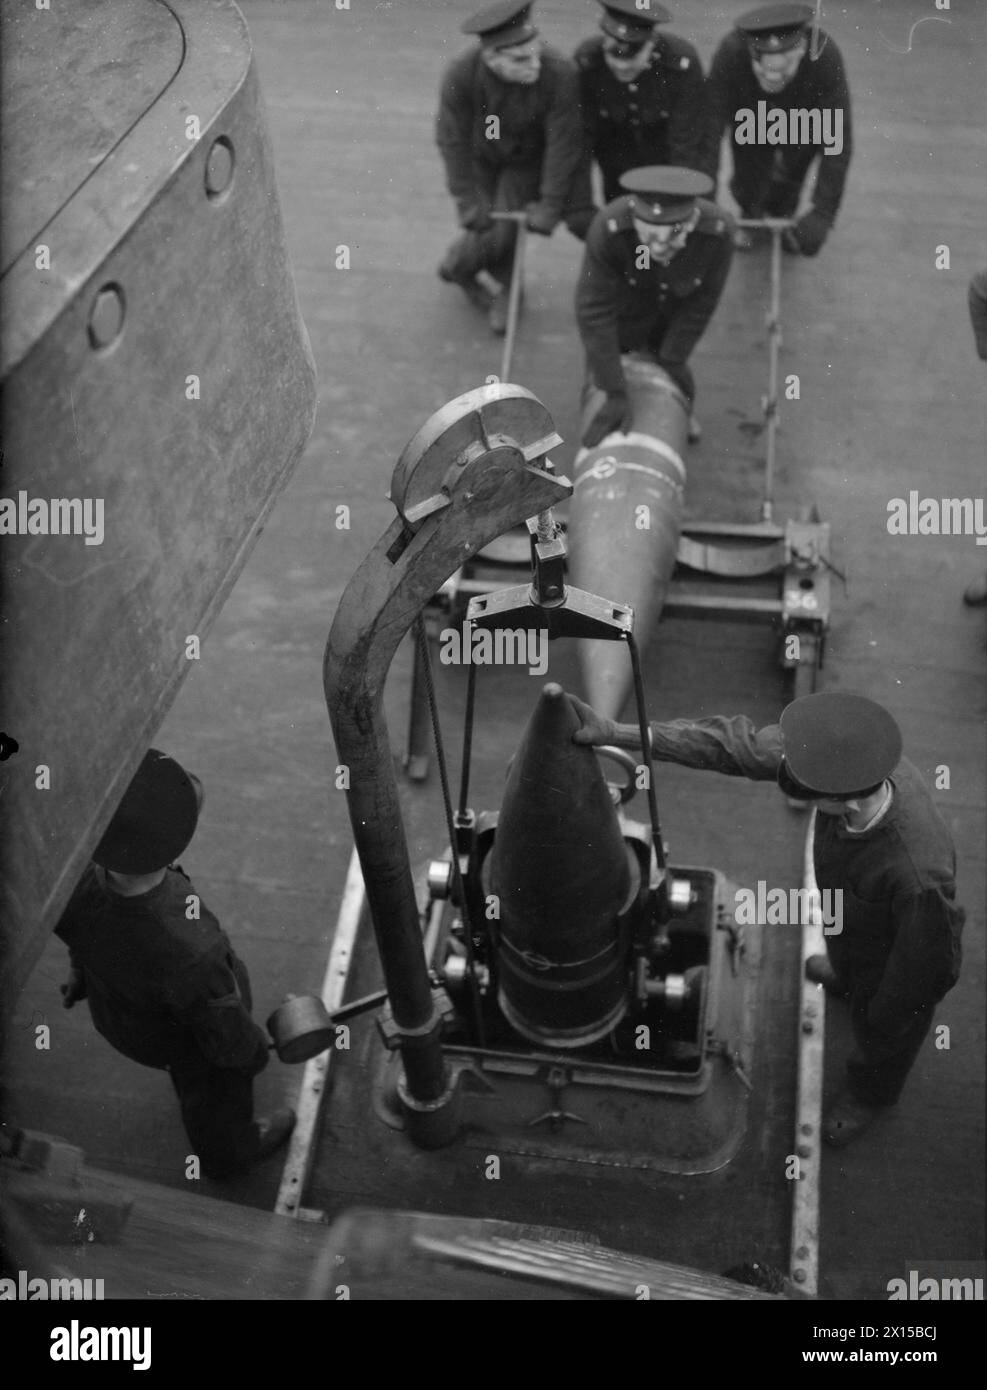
164, 985
879, 840
511, 139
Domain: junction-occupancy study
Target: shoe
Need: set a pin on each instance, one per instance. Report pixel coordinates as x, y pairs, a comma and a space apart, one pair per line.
847, 1119
695, 430
819, 971
975, 595
272, 1132
473, 290
498, 313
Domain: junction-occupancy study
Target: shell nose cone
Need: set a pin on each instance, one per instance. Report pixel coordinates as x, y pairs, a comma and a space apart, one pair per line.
561, 872
559, 854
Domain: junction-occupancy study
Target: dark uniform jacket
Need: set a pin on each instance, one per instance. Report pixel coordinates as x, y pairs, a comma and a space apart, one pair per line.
821, 84
539, 127
159, 984
659, 118
618, 305
899, 949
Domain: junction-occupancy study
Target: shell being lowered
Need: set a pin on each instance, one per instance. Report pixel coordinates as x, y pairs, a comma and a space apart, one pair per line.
563, 874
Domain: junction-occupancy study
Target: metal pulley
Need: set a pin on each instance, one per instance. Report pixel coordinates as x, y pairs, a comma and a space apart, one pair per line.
302, 1027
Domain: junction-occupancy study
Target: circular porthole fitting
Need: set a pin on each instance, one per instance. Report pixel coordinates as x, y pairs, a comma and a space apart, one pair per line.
219, 169
106, 317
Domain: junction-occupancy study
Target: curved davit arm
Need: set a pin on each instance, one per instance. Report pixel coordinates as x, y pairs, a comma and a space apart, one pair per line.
474, 470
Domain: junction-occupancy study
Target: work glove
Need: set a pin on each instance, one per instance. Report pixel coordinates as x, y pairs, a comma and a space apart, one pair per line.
541, 218
475, 217
807, 236
613, 414
74, 988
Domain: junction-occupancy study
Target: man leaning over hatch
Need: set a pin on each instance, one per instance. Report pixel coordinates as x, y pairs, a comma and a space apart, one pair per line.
879, 839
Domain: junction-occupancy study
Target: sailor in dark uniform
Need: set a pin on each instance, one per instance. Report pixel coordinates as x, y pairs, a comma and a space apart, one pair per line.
654, 268
767, 58
163, 982
642, 93
510, 135
878, 840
